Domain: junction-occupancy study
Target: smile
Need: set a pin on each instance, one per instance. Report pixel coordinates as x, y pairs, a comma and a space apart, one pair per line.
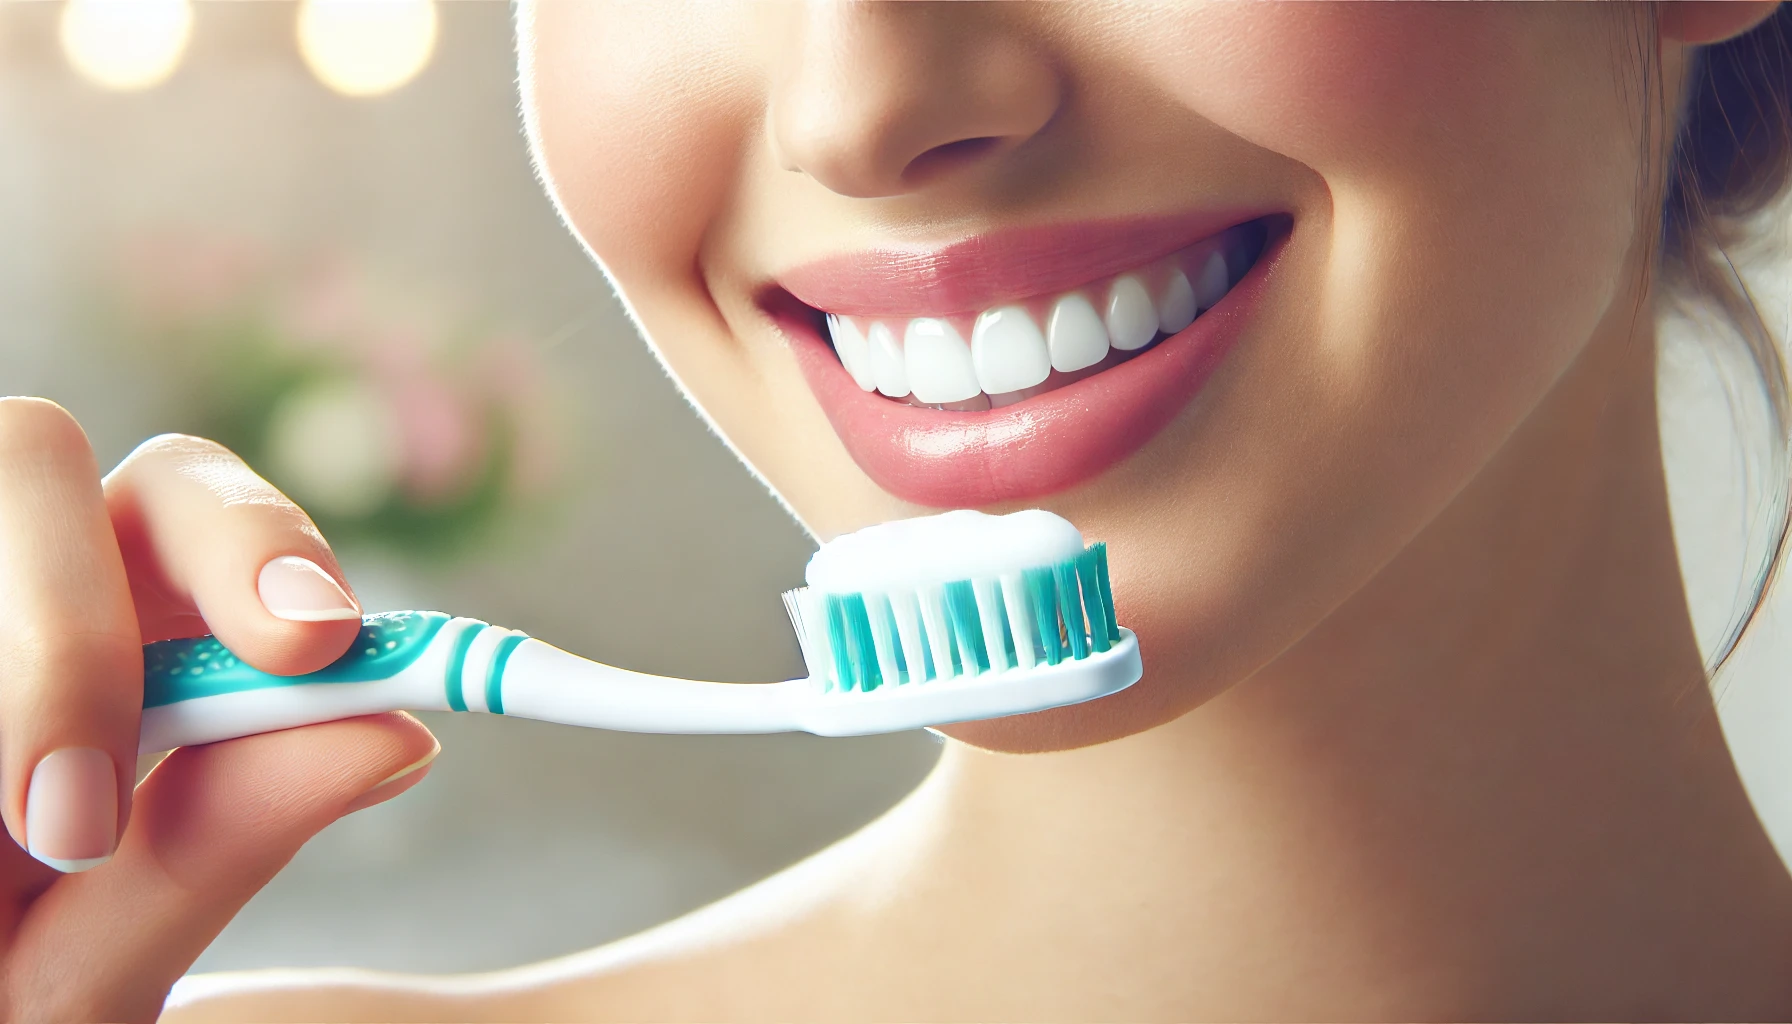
1016, 350
1015, 365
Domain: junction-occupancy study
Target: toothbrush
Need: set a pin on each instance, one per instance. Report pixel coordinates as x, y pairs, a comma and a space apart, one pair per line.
920, 622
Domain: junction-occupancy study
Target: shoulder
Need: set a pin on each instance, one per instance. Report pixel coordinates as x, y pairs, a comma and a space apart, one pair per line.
753, 953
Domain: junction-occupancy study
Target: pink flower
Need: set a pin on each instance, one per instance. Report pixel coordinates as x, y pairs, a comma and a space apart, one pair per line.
442, 438
173, 278
511, 369
325, 309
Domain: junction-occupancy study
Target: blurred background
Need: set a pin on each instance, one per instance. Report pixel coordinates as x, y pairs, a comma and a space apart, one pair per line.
311, 231
320, 241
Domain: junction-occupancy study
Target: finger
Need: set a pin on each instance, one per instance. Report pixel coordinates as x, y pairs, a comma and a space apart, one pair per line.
213, 824
71, 665
204, 537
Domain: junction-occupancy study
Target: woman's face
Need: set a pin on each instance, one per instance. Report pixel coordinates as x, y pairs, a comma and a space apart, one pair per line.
1406, 219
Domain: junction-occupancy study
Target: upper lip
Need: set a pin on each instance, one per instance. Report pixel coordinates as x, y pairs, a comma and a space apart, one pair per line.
972, 274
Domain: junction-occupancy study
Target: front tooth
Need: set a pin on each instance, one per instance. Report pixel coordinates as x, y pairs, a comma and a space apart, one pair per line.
1008, 352
887, 364
1177, 310
1132, 322
1074, 334
1211, 284
938, 362
853, 350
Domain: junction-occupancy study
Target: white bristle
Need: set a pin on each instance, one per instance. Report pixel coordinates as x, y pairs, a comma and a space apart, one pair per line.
908, 629
932, 599
1014, 597
813, 606
877, 608
793, 606
989, 614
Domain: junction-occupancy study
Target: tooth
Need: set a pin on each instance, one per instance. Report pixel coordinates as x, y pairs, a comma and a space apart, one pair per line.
1075, 335
1132, 322
853, 350
1211, 285
1177, 309
887, 364
1008, 351
938, 362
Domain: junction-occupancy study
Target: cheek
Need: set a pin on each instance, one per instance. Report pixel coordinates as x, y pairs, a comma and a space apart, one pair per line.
1470, 154
1476, 222
642, 112
1366, 90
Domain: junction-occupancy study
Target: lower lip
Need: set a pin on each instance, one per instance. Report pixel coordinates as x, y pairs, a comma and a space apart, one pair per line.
1043, 445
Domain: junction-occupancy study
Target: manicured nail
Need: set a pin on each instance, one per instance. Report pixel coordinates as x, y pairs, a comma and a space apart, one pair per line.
297, 589
392, 784
71, 809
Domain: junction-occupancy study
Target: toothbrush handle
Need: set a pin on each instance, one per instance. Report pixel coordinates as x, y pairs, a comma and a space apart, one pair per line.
543, 682
196, 691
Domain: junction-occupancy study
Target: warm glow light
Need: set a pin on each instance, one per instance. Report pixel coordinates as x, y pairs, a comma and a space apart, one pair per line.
126, 44
366, 47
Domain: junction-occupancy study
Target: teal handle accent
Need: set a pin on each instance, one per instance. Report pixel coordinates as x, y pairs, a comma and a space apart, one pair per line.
177, 670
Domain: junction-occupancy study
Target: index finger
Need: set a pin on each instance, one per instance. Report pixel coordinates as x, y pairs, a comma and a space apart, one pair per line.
70, 655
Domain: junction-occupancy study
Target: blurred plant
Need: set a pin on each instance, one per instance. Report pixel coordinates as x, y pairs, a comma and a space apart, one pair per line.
396, 428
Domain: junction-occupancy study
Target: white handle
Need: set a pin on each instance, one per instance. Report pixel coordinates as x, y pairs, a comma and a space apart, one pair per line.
229, 715
543, 682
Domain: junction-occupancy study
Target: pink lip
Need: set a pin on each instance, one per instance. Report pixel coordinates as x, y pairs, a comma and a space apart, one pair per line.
1036, 447
971, 275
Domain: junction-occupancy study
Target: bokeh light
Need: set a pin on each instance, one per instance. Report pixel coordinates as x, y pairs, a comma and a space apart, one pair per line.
366, 47
126, 44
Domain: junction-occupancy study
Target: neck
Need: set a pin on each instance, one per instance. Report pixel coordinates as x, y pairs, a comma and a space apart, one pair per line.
1491, 784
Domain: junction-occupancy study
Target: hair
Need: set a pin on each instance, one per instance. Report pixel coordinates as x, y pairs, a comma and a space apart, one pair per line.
1731, 166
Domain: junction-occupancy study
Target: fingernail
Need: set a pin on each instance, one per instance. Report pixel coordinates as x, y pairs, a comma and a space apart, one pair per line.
389, 786
297, 589
71, 809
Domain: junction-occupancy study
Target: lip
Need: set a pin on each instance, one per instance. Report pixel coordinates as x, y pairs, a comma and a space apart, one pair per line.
970, 275
1045, 444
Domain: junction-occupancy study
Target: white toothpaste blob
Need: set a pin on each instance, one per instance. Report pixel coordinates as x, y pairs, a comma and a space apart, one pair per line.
958, 545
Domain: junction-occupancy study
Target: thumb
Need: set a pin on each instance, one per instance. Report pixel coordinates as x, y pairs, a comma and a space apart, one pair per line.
210, 826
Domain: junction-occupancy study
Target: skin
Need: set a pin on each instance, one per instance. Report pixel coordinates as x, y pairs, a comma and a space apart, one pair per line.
1424, 732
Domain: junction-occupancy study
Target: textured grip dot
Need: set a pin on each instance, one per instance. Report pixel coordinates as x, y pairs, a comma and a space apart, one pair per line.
177, 670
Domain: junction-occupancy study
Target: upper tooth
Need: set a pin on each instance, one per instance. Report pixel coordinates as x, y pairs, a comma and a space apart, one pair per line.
1074, 334
938, 362
1177, 310
854, 352
1008, 352
1210, 286
1132, 322
887, 366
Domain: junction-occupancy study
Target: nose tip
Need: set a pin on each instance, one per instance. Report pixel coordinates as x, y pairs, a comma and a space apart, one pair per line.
881, 102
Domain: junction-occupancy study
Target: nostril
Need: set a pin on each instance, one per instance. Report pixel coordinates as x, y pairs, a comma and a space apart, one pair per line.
947, 157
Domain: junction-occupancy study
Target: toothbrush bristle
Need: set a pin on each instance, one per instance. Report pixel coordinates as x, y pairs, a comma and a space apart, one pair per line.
959, 629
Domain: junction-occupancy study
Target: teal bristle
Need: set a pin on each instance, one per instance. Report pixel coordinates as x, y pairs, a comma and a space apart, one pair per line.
843, 673
1099, 640
864, 654
1042, 588
967, 630
854, 642
1106, 589
886, 636
1070, 609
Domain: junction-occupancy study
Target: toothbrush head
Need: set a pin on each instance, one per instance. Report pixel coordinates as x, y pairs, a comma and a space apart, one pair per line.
957, 617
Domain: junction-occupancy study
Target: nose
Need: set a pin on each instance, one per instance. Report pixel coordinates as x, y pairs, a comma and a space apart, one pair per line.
881, 99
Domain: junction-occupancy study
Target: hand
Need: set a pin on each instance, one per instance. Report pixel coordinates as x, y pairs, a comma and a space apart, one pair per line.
108, 897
